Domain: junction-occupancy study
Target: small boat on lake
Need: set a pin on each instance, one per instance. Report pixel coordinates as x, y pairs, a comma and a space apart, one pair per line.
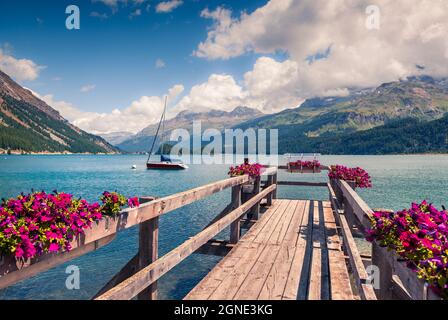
165, 163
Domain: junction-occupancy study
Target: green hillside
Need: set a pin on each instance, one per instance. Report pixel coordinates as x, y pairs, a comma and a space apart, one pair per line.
25, 127
405, 136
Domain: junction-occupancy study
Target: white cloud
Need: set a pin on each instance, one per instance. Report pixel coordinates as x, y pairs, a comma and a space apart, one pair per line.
168, 6
269, 87
19, 69
160, 64
142, 112
219, 92
88, 88
350, 54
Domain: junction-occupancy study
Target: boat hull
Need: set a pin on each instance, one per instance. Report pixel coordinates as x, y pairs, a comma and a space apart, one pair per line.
165, 166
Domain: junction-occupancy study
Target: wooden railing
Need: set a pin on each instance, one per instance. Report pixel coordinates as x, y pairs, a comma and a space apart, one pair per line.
394, 279
139, 276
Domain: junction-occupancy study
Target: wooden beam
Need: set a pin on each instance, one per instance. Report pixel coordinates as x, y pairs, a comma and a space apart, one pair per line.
18, 271
218, 248
366, 291
360, 208
235, 229
128, 270
302, 183
135, 284
102, 232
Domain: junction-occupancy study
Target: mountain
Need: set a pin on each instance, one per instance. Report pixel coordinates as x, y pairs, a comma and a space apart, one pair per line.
29, 124
217, 119
324, 120
404, 136
422, 98
115, 138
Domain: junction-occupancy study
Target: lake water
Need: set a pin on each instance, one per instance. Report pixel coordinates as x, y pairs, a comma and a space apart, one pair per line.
398, 180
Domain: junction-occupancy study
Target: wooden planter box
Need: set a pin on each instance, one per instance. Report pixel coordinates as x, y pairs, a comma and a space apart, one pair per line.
397, 281
297, 169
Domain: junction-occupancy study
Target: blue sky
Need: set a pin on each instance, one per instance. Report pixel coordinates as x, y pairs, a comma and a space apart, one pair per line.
117, 54
265, 54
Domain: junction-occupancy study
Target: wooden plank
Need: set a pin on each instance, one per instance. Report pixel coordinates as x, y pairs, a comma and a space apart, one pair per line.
207, 286
302, 183
339, 277
148, 253
319, 275
257, 276
18, 271
360, 208
128, 270
275, 283
413, 286
135, 284
234, 279
235, 228
214, 278
358, 269
299, 274
218, 248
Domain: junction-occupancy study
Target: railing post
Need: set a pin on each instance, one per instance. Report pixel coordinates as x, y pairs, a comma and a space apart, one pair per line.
255, 212
274, 181
270, 182
148, 251
235, 227
385, 273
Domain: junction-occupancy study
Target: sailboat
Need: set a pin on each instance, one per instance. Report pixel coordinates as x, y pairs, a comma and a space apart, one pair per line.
165, 163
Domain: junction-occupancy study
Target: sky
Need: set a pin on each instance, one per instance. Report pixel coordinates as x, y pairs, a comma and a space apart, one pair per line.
112, 73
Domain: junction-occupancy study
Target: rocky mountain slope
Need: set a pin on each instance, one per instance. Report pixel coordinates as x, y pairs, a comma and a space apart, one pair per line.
28, 124
210, 119
421, 98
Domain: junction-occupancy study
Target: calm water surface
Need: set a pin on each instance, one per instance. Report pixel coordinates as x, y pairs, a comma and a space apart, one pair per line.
398, 180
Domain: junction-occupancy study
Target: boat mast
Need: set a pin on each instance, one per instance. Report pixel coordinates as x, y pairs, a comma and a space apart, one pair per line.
162, 119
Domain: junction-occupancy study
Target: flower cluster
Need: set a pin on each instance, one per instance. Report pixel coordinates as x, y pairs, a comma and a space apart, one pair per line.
113, 202
253, 170
315, 164
38, 223
420, 236
358, 175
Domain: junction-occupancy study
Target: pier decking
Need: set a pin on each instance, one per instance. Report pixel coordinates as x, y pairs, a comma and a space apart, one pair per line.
292, 252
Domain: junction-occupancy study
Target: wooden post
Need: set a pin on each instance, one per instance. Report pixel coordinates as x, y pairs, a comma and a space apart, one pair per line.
274, 180
269, 183
148, 251
235, 227
378, 259
255, 212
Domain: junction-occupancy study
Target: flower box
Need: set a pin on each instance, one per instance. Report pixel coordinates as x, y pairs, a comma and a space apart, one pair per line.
391, 268
419, 237
41, 224
304, 166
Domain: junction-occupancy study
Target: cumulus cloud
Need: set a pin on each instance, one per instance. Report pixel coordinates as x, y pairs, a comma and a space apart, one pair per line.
138, 115
88, 88
328, 45
269, 87
19, 69
168, 6
220, 91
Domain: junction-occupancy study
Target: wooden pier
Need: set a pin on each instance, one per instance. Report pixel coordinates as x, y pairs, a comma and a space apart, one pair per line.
292, 249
